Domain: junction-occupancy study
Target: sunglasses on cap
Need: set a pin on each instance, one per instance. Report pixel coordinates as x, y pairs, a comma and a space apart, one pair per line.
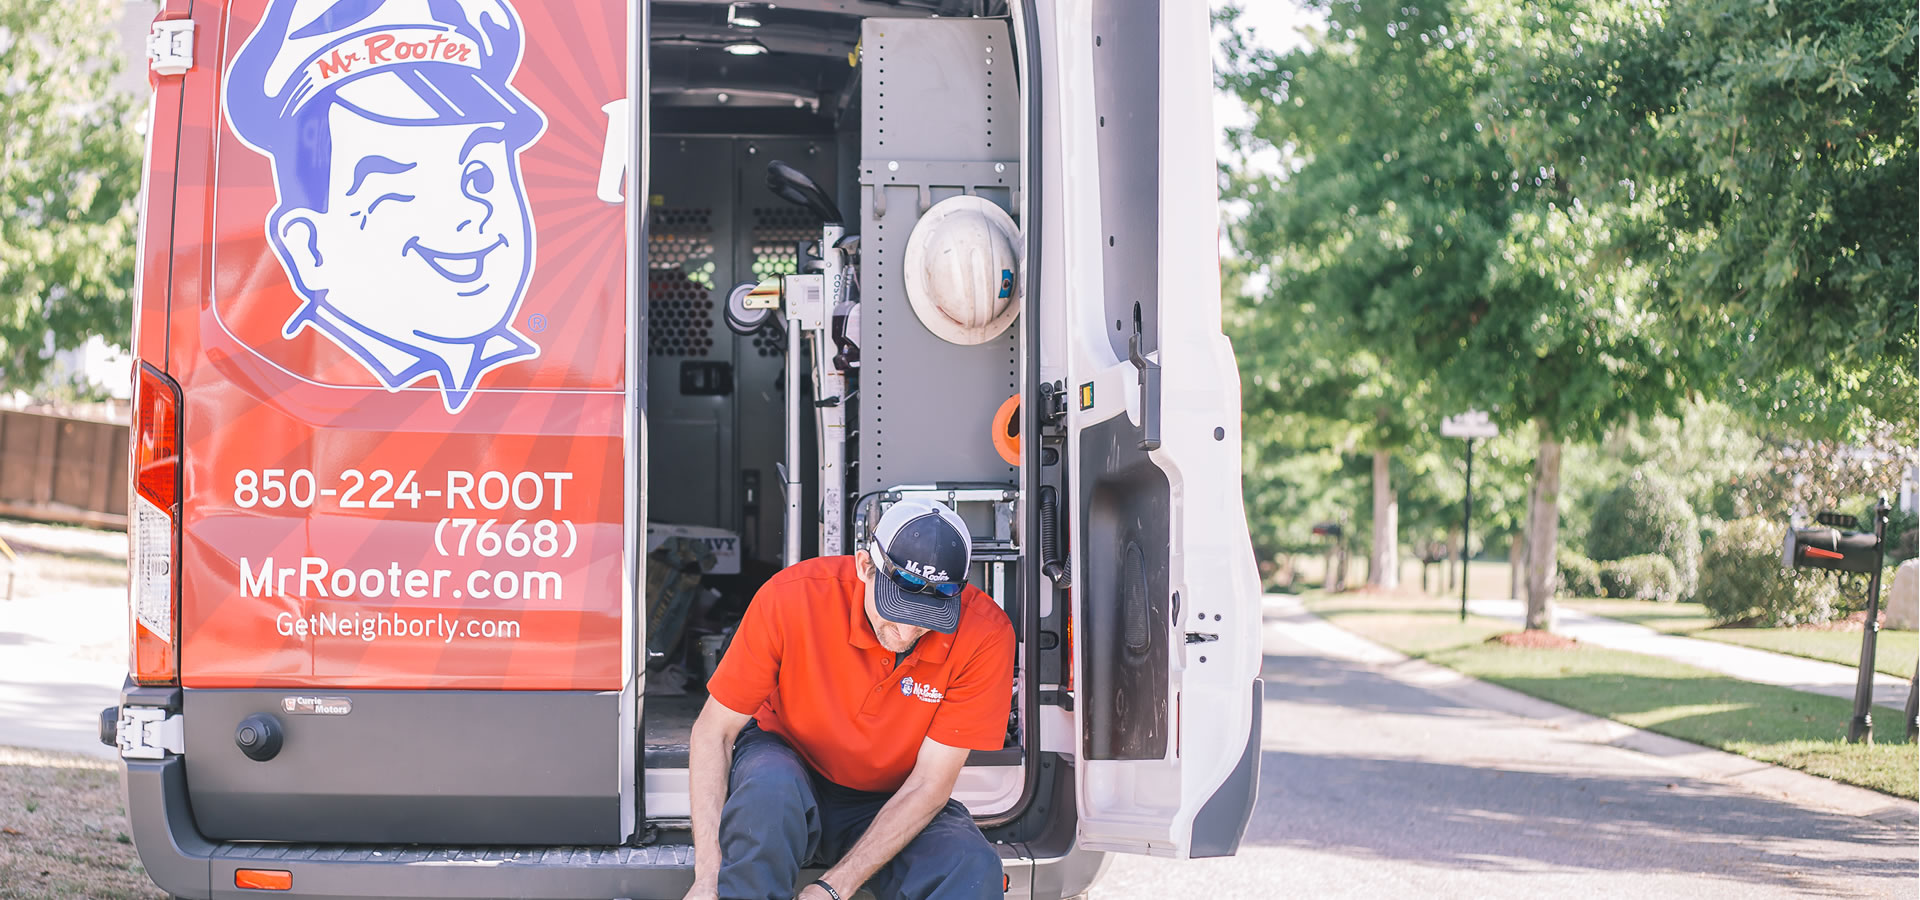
909, 581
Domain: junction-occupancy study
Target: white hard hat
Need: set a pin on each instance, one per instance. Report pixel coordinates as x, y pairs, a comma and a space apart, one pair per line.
963, 270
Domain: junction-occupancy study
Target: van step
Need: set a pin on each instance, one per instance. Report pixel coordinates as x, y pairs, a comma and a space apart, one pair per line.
670, 856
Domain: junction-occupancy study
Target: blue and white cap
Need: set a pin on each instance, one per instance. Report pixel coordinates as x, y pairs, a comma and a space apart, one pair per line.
930, 540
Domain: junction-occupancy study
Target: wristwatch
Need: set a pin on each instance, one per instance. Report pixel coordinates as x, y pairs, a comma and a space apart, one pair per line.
822, 882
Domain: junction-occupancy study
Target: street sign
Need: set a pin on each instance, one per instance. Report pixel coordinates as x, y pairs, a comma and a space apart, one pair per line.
1470, 424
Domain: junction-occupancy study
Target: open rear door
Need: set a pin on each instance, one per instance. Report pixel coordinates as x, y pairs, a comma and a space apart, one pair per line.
1166, 605
404, 349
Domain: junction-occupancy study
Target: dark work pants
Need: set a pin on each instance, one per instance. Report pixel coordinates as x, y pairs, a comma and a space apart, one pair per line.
780, 815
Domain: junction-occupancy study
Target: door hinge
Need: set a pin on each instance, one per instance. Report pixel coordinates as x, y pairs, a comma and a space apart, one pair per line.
149, 732
1053, 403
170, 47
1201, 637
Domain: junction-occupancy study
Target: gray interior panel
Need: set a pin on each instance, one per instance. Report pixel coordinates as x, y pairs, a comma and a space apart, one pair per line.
715, 224
689, 258
938, 119
446, 767
1126, 506
1126, 99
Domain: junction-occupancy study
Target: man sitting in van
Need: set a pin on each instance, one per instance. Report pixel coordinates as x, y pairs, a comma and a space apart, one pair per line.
840, 718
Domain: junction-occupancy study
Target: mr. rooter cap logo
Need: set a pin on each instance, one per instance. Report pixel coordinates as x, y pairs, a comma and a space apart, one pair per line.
402, 222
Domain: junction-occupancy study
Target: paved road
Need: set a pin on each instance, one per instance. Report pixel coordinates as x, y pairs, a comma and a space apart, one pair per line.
1378, 785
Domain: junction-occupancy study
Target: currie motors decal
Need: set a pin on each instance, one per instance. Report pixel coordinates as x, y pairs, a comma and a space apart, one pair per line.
401, 220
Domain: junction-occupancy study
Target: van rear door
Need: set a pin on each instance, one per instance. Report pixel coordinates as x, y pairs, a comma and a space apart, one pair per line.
403, 340
1166, 605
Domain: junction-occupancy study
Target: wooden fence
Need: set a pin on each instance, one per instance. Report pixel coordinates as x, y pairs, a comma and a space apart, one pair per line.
55, 469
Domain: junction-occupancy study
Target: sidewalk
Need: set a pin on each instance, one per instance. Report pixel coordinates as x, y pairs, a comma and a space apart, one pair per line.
63, 636
1744, 663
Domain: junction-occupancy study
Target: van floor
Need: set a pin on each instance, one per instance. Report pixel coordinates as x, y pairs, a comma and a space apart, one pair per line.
669, 721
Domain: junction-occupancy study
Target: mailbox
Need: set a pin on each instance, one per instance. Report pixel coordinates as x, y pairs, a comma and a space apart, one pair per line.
1831, 548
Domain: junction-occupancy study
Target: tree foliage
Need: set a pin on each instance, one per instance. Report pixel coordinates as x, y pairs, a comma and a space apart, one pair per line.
1761, 156
69, 178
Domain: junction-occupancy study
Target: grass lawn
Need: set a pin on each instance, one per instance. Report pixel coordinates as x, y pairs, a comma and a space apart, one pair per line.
63, 829
1895, 652
1764, 722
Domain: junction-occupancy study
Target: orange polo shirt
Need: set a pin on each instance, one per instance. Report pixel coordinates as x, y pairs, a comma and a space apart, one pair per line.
806, 665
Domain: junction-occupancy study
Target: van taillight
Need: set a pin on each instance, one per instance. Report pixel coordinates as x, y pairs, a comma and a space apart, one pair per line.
155, 523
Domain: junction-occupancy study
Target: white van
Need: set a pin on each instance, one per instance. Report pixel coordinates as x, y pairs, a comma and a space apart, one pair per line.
475, 397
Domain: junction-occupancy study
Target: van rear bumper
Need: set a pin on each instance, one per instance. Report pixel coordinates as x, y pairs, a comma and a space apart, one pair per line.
185, 864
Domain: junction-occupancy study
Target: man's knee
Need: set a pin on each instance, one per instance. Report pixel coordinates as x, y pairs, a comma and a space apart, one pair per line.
770, 779
977, 862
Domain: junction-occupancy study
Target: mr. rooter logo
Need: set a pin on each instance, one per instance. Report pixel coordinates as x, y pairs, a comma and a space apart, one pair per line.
401, 219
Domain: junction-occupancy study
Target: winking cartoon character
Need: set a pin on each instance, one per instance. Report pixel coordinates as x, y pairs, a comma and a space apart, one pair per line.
395, 134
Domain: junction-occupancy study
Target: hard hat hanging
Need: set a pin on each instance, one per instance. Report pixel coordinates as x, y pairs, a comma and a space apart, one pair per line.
963, 270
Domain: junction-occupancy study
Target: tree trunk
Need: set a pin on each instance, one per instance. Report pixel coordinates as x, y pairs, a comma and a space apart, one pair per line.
1543, 531
1522, 543
1383, 567
1453, 558
1517, 561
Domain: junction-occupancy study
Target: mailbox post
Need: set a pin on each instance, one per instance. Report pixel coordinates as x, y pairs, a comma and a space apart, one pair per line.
1830, 548
1471, 424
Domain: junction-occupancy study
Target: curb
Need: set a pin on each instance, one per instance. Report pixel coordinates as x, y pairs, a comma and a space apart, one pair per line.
1682, 757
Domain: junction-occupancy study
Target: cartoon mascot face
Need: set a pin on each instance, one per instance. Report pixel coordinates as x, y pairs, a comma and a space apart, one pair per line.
402, 221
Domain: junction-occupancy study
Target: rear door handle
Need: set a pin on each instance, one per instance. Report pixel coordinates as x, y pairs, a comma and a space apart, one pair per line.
1149, 380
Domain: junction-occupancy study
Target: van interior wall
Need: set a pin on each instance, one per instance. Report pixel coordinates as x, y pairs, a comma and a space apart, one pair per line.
920, 407
716, 400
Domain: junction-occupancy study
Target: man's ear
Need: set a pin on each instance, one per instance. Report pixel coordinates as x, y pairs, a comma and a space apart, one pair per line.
297, 238
863, 564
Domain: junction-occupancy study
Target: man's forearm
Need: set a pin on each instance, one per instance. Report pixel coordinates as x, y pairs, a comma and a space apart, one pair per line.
708, 758
898, 823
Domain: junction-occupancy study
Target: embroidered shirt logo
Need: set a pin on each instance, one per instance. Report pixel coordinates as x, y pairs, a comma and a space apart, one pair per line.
921, 690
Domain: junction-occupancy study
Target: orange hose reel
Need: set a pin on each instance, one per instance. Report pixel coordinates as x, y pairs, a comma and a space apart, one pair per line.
1006, 430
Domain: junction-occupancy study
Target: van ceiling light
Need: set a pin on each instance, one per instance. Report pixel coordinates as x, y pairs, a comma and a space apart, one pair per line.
746, 48
742, 15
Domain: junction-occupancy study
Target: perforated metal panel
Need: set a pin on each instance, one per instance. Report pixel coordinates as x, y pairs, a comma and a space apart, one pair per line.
938, 119
714, 224
681, 312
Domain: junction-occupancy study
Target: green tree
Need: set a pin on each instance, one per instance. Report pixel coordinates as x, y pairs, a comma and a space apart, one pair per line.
1402, 220
69, 177
1766, 153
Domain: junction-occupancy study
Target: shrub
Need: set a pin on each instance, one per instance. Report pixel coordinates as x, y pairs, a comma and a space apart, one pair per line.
1903, 534
1645, 514
1741, 579
1645, 577
1579, 576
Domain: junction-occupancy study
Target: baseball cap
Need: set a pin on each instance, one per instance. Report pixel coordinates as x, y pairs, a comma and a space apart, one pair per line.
924, 541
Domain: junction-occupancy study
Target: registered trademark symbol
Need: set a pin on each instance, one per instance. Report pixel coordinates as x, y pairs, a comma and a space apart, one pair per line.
536, 323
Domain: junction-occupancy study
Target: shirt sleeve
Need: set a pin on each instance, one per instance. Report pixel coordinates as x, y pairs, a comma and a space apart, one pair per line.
973, 714
750, 670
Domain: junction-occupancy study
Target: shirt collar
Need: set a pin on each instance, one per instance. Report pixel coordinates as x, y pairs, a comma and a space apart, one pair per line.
457, 365
932, 647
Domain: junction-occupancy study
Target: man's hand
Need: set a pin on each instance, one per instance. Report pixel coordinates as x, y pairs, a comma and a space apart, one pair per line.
900, 820
703, 890
816, 892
